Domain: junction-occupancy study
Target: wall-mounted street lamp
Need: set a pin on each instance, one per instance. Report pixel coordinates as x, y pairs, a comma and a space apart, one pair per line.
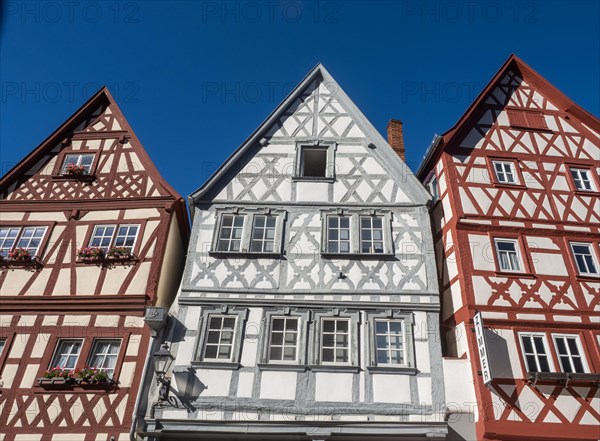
162, 363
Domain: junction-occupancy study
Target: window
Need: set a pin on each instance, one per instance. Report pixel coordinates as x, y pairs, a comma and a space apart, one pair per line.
527, 119
584, 259
230, 233
582, 179
371, 235
29, 238
82, 160
220, 338
505, 172
335, 341
315, 160
508, 255
104, 236
569, 353
284, 339
433, 187
338, 234
2, 344
104, 355
389, 342
263, 234
536, 353
66, 354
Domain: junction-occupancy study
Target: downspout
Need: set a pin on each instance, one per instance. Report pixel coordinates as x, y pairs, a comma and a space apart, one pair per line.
132, 436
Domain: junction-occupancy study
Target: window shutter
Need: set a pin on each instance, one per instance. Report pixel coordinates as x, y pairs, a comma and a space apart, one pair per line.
536, 120
517, 118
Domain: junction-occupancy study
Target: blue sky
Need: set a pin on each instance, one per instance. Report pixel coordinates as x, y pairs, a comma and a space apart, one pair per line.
194, 79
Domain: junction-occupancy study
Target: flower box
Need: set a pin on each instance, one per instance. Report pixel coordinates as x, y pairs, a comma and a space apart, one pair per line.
19, 255
89, 378
74, 169
90, 253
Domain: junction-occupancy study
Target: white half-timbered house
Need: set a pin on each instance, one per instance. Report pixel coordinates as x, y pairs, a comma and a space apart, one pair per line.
309, 303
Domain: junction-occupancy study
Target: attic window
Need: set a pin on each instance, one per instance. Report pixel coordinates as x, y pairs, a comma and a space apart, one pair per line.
527, 119
314, 162
77, 164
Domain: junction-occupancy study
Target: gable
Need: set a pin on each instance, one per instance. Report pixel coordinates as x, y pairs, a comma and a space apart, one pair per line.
367, 170
120, 168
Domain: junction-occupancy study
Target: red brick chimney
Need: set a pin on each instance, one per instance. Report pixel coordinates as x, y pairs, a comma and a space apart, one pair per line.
395, 137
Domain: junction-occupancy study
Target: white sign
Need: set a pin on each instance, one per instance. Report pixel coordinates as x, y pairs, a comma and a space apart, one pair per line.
486, 371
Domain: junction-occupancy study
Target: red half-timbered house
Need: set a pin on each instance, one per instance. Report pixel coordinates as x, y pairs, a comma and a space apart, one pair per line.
517, 226
90, 235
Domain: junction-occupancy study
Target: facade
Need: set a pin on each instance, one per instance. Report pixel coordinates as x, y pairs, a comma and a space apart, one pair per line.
517, 233
90, 235
309, 304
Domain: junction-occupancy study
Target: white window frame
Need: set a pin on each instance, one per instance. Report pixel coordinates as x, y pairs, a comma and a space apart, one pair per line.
339, 240
65, 164
114, 235
56, 354
579, 347
233, 338
283, 345
230, 240
264, 228
580, 171
93, 353
548, 353
433, 186
248, 230
330, 147
389, 349
592, 251
371, 229
335, 347
504, 180
356, 230
521, 268
19, 237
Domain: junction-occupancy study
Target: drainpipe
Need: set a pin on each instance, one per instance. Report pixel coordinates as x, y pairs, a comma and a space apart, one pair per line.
132, 436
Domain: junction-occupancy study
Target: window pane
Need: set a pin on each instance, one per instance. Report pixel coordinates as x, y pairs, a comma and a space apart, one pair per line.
578, 364
573, 348
539, 345
544, 366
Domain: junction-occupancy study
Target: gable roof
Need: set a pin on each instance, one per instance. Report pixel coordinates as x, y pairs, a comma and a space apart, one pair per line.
65, 130
389, 157
558, 98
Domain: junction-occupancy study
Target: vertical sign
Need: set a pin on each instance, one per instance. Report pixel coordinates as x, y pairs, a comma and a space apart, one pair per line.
482, 348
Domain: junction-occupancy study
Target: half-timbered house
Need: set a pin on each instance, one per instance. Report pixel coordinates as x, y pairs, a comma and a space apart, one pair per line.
517, 233
90, 235
309, 303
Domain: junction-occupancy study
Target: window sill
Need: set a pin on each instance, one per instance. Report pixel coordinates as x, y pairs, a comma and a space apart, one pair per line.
592, 193
108, 262
392, 370
34, 262
588, 277
282, 367
515, 275
226, 365
248, 254
334, 368
67, 177
61, 383
375, 256
312, 179
531, 129
561, 377
509, 186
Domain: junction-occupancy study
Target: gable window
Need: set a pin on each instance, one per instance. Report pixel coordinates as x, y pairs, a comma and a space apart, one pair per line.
80, 163
338, 234
106, 236
220, 338
335, 340
582, 179
263, 234
507, 252
66, 354
505, 172
371, 235
389, 342
432, 185
104, 355
585, 259
568, 350
284, 339
536, 353
315, 160
526, 119
28, 238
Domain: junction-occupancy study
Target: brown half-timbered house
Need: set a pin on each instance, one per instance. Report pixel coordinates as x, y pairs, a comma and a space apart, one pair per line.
90, 235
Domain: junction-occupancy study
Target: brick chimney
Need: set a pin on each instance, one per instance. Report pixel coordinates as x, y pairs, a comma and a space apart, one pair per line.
395, 137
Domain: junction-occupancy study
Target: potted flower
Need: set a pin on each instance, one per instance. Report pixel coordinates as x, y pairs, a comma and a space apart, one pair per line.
74, 169
92, 375
20, 254
118, 253
58, 373
101, 377
90, 253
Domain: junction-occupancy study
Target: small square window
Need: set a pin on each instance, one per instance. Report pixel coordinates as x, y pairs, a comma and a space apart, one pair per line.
582, 179
569, 354
263, 234
230, 233
371, 235
78, 163
505, 172
335, 341
507, 252
338, 234
104, 355
284, 339
313, 162
220, 338
389, 342
66, 354
585, 259
535, 352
